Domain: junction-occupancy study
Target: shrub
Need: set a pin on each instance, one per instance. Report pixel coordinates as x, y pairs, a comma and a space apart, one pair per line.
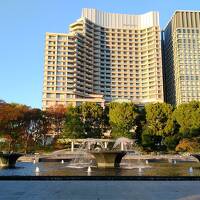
189, 145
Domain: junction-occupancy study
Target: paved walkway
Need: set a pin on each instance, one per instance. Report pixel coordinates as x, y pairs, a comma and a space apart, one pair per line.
100, 190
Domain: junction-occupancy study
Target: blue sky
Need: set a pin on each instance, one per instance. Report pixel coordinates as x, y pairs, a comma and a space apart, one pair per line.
23, 24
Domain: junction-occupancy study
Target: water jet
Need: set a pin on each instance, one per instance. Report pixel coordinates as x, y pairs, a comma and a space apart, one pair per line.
37, 169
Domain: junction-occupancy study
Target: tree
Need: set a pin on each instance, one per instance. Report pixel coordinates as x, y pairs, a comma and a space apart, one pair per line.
35, 128
159, 118
89, 120
73, 126
140, 124
105, 119
22, 127
150, 141
122, 119
91, 115
11, 123
160, 127
56, 117
187, 116
171, 142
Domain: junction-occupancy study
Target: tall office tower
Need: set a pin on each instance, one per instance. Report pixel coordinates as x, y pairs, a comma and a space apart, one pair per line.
182, 57
105, 56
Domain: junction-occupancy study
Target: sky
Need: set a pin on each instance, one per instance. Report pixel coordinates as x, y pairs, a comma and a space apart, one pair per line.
23, 24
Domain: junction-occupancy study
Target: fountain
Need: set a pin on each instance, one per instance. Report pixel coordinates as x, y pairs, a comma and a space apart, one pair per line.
124, 143
105, 154
140, 170
197, 156
174, 162
110, 158
37, 169
9, 159
89, 169
82, 158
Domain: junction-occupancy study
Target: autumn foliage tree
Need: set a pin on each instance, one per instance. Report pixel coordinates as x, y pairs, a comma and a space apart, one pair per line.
56, 118
189, 145
12, 117
35, 128
25, 127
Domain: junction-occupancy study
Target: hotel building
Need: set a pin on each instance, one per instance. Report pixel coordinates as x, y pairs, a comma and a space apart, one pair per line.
182, 57
104, 57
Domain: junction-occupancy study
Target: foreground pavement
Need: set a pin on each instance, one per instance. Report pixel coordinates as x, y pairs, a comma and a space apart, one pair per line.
100, 190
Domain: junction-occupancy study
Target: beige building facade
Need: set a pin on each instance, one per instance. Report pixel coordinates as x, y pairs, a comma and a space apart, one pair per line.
104, 57
182, 57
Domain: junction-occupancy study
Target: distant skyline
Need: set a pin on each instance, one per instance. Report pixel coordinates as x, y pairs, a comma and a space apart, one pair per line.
22, 36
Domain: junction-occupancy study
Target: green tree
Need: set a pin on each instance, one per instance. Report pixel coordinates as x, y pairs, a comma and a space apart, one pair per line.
159, 118
150, 141
73, 126
141, 124
122, 119
171, 142
105, 119
92, 118
187, 116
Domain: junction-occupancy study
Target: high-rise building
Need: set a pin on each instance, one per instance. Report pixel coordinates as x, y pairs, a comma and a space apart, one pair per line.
104, 56
182, 57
